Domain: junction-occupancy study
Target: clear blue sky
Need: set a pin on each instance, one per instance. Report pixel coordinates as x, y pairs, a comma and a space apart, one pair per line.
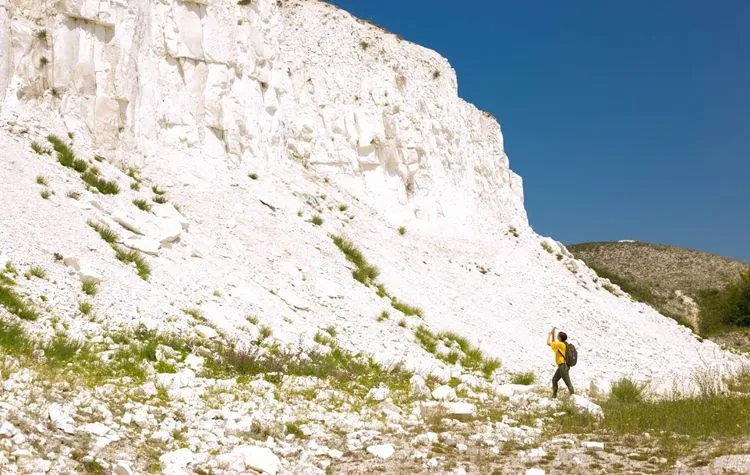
627, 120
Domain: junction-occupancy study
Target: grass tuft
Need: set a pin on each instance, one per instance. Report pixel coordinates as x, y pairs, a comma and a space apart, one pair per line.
364, 272
406, 309
39, 149
45, 194
527, 378
131, 256
343, 208
85, 308
317, 220
627, 391
253, 176
105, 232
14, 303
13, 338
402, 230
142, 204
62, 349
89, 287
105, 187
40, 180
38, 272
159, 199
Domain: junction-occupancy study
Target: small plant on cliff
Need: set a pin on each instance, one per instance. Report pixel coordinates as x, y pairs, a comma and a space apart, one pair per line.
89, 287
526, 378
317, 220
37, 148
545, 245
105, 232
46, 194
41, 180
142, 204
402, 230
364, 272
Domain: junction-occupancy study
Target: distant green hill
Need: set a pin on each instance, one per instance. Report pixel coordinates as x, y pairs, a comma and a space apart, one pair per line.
673, 280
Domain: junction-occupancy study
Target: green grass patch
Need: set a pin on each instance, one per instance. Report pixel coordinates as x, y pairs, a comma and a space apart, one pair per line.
157, 191
402, 230
527, 378
15, 304
89, 287
39, 149
627, 391
81, 165
406, 309
40, 180
343, 208
294, 429
103, 186
364, 272
195, 313
317, 220
349, 372
159, 199
164, 367
36, 271
729, 306
462, 351
45, 194
142, 205
62, 349
546, 246
85, 308
14, 340
105, 232
253, 176
131, 256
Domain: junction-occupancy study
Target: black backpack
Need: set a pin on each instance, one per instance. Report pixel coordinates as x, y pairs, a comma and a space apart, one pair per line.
571, 354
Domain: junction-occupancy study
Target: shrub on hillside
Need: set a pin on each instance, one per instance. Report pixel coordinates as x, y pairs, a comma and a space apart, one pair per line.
626, 391
728, 306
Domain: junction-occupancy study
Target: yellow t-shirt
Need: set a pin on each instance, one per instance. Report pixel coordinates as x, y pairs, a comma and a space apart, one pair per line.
558, 347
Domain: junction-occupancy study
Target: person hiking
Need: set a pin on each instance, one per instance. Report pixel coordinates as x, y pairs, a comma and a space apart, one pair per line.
559, 347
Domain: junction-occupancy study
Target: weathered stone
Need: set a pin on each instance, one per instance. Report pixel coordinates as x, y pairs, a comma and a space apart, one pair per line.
378, 394
382, 451
444, 393
584, 404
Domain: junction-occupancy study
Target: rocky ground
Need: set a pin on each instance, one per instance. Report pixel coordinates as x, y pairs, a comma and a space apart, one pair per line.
184, 415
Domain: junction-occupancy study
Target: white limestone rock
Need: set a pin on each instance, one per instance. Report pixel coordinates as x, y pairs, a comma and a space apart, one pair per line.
251, 457
379, 394
585, 405
122, 467
144, 244
60, 417
461, 410
592, 445
206, 332
509, 390
444, 393
382, 451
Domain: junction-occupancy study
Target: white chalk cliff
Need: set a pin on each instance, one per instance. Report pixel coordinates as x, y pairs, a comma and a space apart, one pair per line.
332, 116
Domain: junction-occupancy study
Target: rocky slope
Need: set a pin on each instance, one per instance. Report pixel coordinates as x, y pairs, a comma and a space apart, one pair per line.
669, 278
240, 139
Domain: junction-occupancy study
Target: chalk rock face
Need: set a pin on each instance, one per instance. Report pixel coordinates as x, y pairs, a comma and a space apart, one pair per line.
269, 81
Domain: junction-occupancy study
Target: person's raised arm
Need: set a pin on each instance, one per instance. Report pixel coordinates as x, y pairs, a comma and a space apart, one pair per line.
551, 336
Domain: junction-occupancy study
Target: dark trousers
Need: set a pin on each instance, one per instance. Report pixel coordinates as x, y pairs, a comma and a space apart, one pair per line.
561, 373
